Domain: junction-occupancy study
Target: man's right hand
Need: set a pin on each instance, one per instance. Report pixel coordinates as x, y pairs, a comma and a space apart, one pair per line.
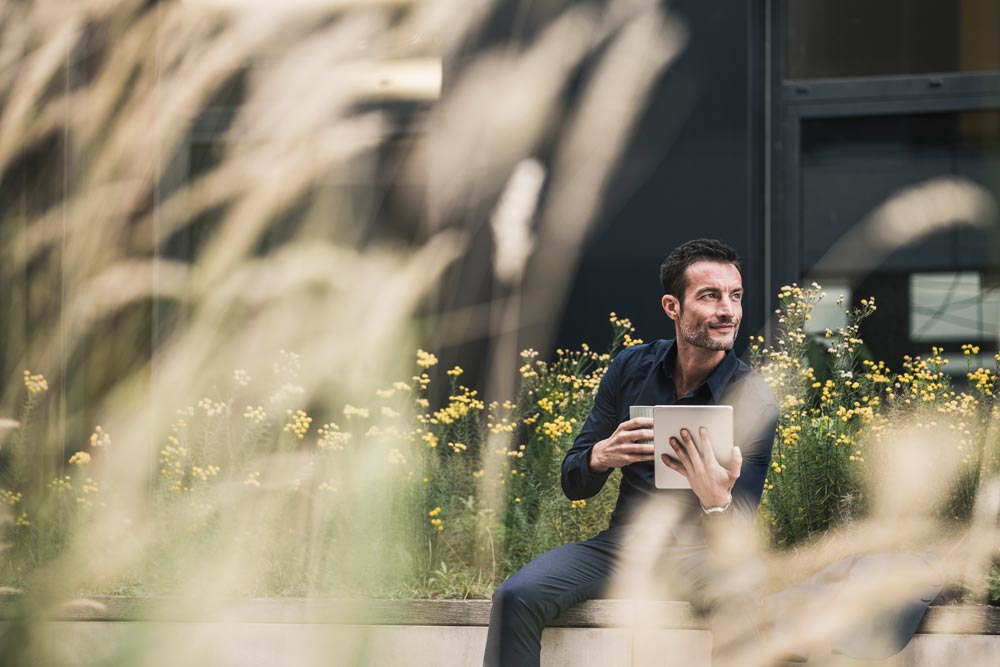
622, 448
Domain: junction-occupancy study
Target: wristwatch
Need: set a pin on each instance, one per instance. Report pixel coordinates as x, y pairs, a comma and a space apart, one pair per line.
722, 509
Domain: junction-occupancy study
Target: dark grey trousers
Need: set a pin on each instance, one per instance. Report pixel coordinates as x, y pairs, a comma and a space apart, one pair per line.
546, 587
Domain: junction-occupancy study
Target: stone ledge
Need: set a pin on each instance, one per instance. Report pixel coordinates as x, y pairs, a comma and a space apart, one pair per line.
591, 614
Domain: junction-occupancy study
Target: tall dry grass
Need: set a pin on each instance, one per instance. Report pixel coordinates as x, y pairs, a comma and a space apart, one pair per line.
189, 188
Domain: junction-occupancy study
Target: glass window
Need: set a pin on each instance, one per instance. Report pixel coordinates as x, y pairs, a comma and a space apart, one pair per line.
850, 166
853, 38
828, 314
953, 307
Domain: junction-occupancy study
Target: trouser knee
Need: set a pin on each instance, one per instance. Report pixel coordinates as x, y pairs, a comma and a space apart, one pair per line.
514, 601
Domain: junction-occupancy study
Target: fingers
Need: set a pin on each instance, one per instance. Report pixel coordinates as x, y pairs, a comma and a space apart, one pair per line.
635, 448
640, 428
735, 464
638, 422
673, 464
623, 459
636, 435
707, 451
691, 457
626, 452
681, 454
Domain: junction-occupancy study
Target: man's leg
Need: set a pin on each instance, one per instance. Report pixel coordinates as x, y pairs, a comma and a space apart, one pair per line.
730, 594
539, 592
724, 582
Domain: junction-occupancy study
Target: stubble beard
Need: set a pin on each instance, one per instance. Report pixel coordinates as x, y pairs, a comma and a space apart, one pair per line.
702, 337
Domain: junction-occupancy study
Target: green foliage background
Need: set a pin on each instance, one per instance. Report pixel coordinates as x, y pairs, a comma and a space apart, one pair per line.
394, 497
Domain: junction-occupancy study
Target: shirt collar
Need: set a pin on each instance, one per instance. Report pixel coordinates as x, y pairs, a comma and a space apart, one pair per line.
716, 381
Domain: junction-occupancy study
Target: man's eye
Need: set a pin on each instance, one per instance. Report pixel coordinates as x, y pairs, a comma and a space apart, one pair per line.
738, 296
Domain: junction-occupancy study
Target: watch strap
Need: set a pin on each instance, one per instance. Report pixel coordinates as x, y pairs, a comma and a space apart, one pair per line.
722, 509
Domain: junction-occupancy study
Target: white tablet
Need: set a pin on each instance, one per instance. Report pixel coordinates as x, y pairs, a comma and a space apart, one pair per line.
668, 420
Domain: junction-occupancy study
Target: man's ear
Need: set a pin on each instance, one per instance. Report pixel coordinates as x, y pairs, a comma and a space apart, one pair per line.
671, 306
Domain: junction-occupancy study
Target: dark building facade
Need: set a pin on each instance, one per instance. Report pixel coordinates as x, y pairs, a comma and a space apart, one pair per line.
783, 126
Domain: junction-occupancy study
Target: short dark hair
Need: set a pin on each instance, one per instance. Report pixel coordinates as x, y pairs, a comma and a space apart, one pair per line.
672, 276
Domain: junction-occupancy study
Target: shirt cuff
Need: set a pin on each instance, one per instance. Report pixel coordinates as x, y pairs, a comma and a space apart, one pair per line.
586, 472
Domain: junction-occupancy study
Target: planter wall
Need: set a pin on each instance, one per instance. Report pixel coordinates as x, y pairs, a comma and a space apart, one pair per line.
275, 632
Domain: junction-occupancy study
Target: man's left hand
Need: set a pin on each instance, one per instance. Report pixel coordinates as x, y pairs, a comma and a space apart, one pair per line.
712, 483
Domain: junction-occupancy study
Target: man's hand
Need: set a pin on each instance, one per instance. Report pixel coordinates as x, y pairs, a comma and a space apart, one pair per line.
622, 448
711, 482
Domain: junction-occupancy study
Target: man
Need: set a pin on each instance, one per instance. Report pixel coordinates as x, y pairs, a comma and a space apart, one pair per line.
702, 294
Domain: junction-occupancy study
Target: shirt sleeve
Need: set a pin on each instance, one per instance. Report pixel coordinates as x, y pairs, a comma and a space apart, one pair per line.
756, 451
578, 480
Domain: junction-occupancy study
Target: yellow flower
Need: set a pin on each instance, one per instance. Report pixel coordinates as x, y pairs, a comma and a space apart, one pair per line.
212, 408
426, 359
983, 379
298, 423
241, 377
527, 372
254, 414
456, 371
87, 489
79, 459
458, 407
99, 438
331, 437
620, 323
204, 474
10, 497
61, 484
351, 411
558, 427
35, 384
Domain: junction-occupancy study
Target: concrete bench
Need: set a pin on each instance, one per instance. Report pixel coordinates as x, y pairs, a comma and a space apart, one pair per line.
296, 631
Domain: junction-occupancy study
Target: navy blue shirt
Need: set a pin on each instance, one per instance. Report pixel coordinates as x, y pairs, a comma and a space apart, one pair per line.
643, 375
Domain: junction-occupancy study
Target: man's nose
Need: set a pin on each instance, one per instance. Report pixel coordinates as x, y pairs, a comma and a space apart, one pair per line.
726, 308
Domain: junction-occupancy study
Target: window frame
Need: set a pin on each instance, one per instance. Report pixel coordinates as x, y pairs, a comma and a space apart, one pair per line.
793, 101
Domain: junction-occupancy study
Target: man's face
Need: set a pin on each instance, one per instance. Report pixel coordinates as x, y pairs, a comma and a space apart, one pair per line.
710, 313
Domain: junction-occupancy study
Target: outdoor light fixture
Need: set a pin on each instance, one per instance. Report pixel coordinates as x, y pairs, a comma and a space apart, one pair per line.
416, 79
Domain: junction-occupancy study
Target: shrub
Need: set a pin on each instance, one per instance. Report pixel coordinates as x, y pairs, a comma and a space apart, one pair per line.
400, 497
